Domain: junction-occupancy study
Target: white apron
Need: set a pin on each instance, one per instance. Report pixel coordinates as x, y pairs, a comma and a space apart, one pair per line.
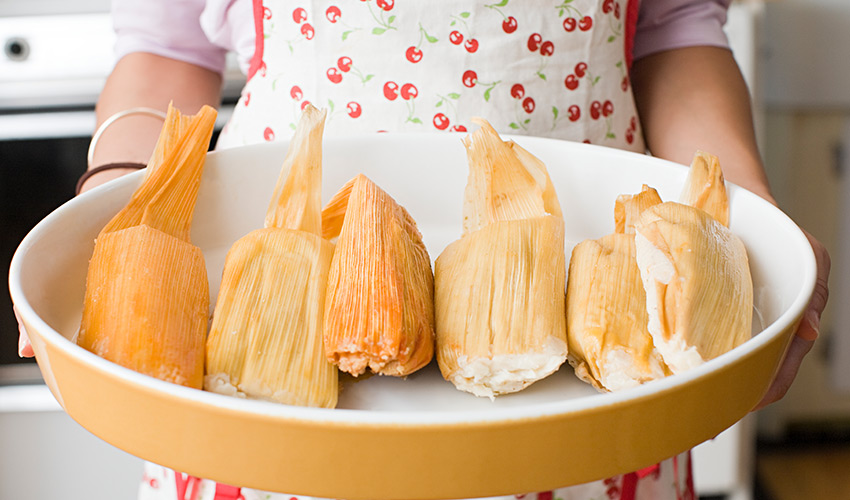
556, 68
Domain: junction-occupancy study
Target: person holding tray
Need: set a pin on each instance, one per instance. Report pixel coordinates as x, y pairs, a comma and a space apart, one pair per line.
652, 75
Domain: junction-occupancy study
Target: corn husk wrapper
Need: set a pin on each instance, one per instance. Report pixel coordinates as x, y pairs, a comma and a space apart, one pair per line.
609, 344
147, 295
499, 290
699, 291
379, 308
265, 341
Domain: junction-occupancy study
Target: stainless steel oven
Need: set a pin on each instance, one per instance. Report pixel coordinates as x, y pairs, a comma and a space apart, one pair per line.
55, 58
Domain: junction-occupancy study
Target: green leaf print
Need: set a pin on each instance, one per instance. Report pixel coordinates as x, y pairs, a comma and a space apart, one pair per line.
378, 31
439, 103
611, 38
501, 4
454, 95
416, 120
464, 15
330, 106
526, 121
514, 126
367, 78
391, 19
431, 39
487, 94
555, 111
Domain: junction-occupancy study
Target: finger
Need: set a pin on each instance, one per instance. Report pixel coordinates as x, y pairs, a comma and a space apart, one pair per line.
24, 345
787, 371
810, 326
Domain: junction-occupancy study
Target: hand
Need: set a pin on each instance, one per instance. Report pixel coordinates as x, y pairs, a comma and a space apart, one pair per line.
806, 333
24, 345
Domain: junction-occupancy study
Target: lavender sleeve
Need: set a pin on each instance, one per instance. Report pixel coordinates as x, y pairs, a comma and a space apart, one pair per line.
671, 24
165, 28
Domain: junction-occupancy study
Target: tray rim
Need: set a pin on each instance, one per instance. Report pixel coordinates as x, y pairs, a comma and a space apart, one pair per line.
347, 417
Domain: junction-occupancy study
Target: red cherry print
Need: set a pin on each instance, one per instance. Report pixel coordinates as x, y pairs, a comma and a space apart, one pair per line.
307, 31
547, 48
299, 15
586, 141
581, 69
456, 37
571, 82
304, 105
409, 91
570, 24
469, 78
295, 93
344, 64
625, 83
509, 25
613, 493
534, 42
262, 69
391, 90
586, 23
633, 123
267, 13
334, 75
607, 6
607, 108
528, 104
441, 121
595, 109
574, 113
459, 128
154, 483
471, 45
247, 98
413, 54
354, 109
544, 495
617, 10
387, 5
333, 13
268, 134
630, 136
518, 91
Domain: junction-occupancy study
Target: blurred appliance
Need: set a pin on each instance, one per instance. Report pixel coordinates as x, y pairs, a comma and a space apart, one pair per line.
54, 58
51, 71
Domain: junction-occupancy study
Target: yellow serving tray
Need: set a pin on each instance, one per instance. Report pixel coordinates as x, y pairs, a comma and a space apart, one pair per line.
416, 438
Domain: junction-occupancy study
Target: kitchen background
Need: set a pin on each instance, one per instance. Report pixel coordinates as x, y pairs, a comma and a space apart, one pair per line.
56, 54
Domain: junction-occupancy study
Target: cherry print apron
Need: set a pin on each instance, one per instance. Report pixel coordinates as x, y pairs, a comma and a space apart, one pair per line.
556, 68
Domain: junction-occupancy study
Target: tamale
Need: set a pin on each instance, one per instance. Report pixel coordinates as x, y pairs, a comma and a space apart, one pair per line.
499, 290
609, 344
379, 308
265, 341
699, 291
147, 295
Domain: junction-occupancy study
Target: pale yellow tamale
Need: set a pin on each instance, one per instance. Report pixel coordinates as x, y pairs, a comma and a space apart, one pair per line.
699, 291
379, 308
147, 296
609, 344
265, 341
499, 290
